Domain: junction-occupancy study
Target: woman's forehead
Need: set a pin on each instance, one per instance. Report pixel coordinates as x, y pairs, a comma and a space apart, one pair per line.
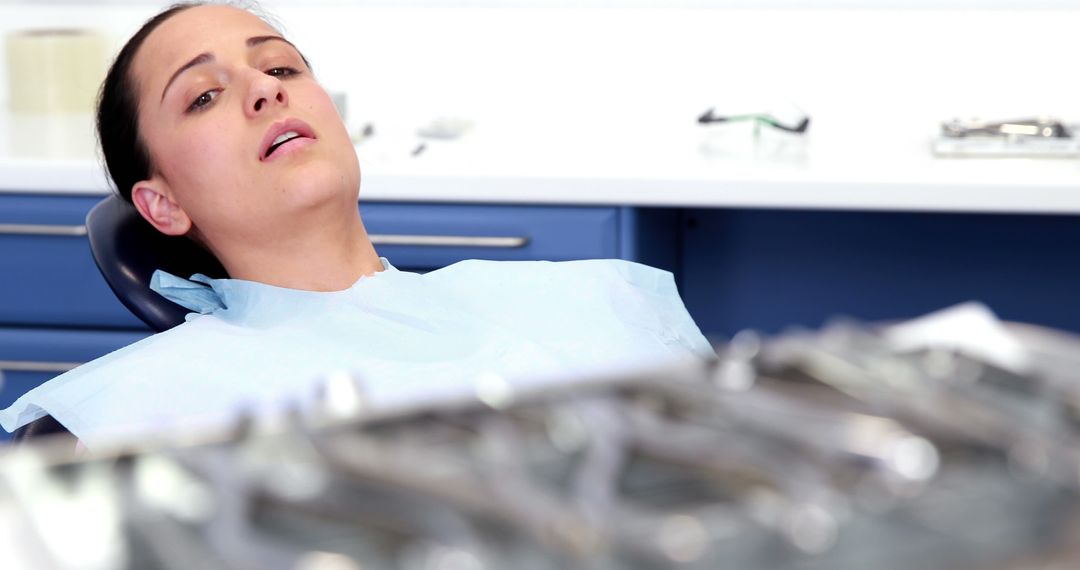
189, 33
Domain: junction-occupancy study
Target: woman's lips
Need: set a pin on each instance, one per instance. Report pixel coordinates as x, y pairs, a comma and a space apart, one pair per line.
305, 138
289, 147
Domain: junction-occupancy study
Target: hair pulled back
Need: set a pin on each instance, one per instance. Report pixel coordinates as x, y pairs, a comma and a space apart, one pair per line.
126, 155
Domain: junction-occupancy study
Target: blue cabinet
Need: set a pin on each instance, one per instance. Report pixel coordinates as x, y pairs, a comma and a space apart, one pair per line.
49, 275
57, 312
431, 236
421, 237
770, 269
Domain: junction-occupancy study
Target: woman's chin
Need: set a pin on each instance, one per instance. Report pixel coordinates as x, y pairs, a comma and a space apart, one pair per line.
316, 183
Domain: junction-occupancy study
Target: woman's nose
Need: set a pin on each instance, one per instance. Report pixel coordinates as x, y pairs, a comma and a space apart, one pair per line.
266, 92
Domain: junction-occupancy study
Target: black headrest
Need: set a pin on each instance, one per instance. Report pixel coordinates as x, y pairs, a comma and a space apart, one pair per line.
127, 250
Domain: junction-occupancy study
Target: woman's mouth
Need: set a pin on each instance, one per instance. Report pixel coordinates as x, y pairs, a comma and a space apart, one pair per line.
285, 137
282, 139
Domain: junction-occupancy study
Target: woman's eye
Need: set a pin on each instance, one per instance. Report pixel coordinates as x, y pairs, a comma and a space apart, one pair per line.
281, 71
202, 101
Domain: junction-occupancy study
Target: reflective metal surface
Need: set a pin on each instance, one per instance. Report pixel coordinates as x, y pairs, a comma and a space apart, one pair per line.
852, 447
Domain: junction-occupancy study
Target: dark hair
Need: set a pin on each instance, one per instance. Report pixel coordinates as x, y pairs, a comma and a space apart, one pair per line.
126, 156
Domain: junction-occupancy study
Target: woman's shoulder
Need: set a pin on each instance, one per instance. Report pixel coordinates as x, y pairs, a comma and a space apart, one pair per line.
580, 301
620, 269
135, 366
539, 291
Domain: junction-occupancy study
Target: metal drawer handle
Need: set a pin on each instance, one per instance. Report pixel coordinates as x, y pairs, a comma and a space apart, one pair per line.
34, 366
42, 230
448, 241
378, 239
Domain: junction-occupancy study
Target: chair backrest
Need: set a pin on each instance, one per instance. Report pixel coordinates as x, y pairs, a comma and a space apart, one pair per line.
127, 250
37, 429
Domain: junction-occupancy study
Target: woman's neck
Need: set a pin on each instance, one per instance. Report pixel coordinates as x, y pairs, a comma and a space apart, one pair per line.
327, 257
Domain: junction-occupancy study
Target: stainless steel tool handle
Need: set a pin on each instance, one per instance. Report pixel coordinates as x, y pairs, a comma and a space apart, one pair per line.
378, 239
36, 366
42, 230
449, 241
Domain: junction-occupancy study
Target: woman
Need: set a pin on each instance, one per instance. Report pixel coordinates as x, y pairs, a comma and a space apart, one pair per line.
215, 87
214, 127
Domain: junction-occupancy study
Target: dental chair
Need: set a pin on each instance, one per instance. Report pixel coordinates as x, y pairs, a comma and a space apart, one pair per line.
128, 250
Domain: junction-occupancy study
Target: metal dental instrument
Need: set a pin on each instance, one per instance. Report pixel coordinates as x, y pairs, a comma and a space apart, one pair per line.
1035, 127
710, 117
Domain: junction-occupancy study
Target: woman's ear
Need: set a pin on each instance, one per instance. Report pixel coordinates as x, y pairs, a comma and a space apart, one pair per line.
154, 202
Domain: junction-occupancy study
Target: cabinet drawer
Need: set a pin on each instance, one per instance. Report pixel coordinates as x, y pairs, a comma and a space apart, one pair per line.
49, 275
419, 236
29, 357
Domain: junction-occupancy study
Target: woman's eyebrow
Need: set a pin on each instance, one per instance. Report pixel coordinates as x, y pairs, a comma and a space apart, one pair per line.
207, 58
254, 41
197, 60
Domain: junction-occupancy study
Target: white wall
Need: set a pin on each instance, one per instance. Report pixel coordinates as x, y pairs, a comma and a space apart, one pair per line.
900, 70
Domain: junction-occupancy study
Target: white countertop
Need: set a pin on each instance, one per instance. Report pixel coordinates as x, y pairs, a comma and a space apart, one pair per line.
658, 164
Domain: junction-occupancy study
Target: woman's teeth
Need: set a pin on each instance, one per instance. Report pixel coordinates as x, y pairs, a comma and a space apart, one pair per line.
281, 139
286, 136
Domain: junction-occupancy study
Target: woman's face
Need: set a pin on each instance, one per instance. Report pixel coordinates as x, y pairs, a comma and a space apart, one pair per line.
218, 90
